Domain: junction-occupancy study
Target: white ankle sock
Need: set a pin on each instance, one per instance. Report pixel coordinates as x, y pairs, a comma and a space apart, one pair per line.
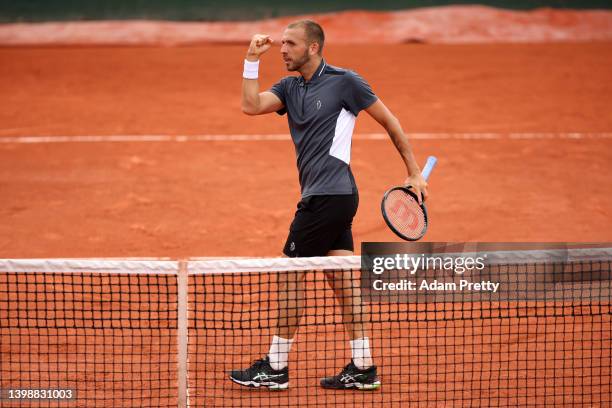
279, 352
362, 357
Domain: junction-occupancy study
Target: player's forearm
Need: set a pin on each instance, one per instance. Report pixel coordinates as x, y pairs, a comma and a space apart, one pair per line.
251, 102
250, 96
394, 129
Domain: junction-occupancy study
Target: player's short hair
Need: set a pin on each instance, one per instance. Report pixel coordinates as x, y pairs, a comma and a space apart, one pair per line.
314, 32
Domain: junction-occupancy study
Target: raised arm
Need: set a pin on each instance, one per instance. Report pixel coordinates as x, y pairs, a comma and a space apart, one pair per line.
253, 101
383, 115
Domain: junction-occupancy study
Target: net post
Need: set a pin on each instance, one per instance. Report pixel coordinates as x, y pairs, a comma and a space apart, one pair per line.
182, 333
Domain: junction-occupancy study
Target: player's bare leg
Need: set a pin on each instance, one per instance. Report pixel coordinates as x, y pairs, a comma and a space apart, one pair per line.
272, 370
345, 285
290, 303
360, 373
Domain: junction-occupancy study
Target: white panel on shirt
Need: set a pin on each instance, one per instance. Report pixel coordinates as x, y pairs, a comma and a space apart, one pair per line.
341, 145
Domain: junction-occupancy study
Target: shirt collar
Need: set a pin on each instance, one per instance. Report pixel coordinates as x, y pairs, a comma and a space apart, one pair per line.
318, 73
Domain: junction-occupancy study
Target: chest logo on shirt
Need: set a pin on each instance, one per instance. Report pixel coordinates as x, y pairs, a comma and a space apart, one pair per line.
318, 104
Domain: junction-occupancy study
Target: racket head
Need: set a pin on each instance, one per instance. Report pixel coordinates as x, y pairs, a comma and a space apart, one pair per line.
403, 214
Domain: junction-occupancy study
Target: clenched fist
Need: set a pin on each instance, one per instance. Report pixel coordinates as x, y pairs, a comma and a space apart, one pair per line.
260, 43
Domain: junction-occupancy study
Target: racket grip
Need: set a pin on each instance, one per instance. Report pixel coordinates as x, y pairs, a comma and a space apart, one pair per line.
429, 166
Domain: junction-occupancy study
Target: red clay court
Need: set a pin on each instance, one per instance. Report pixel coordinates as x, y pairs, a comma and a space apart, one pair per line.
176, 199
523, 134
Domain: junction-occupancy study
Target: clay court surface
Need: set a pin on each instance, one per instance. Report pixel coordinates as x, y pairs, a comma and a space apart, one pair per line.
236, 198
543, 174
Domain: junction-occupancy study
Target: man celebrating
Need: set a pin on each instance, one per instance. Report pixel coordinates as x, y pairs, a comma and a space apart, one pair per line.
322, 105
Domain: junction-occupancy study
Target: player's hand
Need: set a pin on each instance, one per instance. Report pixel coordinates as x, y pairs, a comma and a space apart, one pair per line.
417, 183
260, 43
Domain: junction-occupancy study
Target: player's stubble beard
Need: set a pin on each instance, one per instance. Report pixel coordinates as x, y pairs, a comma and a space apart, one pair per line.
295, 65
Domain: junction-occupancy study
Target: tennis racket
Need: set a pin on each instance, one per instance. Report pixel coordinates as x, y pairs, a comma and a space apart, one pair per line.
401, 209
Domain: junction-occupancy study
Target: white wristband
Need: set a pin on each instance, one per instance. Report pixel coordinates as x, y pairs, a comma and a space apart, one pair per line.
251, 69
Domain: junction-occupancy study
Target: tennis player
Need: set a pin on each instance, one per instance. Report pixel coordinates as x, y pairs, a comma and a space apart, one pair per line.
321, 104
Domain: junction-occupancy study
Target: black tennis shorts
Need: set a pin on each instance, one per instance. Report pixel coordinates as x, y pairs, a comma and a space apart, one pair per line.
322, 223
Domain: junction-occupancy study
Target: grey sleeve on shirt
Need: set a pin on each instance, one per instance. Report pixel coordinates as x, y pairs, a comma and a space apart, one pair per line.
357, 93
278, 89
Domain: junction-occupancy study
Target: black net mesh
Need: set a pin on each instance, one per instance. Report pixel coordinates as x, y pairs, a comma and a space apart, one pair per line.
112, 337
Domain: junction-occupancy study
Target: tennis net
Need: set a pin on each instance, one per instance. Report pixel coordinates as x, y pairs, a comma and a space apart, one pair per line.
162, 333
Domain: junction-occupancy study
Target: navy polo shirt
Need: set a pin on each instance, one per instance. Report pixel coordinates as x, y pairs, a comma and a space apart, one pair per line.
321, 114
